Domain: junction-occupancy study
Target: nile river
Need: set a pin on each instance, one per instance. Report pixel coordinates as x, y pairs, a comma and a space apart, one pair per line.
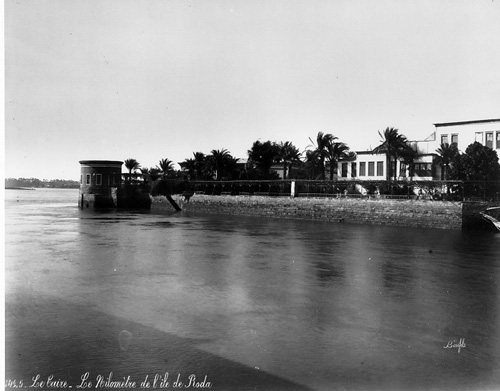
130, 300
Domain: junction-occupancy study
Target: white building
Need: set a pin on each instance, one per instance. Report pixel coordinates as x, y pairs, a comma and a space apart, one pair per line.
486, 132
370, 166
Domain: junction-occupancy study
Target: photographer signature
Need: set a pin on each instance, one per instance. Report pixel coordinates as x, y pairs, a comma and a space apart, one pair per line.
454, 345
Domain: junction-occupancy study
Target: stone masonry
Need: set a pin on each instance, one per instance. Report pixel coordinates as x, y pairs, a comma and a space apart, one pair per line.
408, 213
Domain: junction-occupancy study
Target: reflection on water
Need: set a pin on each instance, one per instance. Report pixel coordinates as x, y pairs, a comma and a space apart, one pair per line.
319, 305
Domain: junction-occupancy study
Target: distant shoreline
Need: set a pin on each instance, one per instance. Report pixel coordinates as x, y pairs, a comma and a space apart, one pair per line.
36, 188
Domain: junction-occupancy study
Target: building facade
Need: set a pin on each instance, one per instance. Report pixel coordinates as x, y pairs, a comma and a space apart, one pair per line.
486, 132
99, 183
370, 166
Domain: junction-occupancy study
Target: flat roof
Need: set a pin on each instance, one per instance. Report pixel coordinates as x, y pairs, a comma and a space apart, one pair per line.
101, 162
369, 153
479, 121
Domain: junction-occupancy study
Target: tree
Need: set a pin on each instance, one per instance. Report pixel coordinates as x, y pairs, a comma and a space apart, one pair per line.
145, 173
335, 152
478, 163
409, 154
447, 154
312, 163
132, 165
288, 154
166, 167
154, 173
262, 156
199, 165
190, 166
393, 145
321, 150
220, 160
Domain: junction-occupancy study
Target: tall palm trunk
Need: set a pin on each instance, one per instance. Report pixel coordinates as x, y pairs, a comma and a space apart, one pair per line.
332, 168
322, 167
388, 167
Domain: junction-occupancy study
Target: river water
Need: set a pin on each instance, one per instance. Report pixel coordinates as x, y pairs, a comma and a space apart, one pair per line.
103, 300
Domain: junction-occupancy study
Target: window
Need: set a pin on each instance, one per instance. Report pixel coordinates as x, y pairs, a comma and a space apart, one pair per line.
362, 168
498, 140
371, 168
423, 169
114, 179
380, 168
444, 139
489, 139
81, 179
87, 180
454, 139
109, 179
98, 179
402, 170
344, 170
479, 137
354, 174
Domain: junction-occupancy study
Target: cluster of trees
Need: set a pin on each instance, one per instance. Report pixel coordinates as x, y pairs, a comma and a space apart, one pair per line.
477, 163
321, 158
164, 169
396, 147
37, 183
221, 165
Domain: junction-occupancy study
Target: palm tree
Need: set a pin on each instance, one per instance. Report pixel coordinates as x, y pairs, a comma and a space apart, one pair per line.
154, 173
166, 167
190, 166
200, 164
288, 154
145, 173
447, 153
312, 162
392, 145
336, 151
219, 159
409, 155
321, 149
131, 165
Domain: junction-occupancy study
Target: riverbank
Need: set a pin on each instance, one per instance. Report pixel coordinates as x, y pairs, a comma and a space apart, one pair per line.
404, 213
408, 213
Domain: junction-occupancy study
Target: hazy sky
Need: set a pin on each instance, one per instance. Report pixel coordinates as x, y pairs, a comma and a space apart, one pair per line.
163, 79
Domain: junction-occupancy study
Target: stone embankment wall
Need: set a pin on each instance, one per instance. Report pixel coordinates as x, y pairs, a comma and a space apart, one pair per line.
408, 213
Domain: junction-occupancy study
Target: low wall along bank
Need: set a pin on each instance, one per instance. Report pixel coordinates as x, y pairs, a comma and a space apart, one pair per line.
408, 213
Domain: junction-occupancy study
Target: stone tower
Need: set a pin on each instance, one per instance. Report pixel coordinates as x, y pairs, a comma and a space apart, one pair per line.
99, 183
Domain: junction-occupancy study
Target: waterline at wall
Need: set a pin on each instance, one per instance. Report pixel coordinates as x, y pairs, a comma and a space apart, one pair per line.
408, 213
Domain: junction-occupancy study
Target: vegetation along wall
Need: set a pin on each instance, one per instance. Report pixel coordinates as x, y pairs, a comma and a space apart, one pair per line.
409, 213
